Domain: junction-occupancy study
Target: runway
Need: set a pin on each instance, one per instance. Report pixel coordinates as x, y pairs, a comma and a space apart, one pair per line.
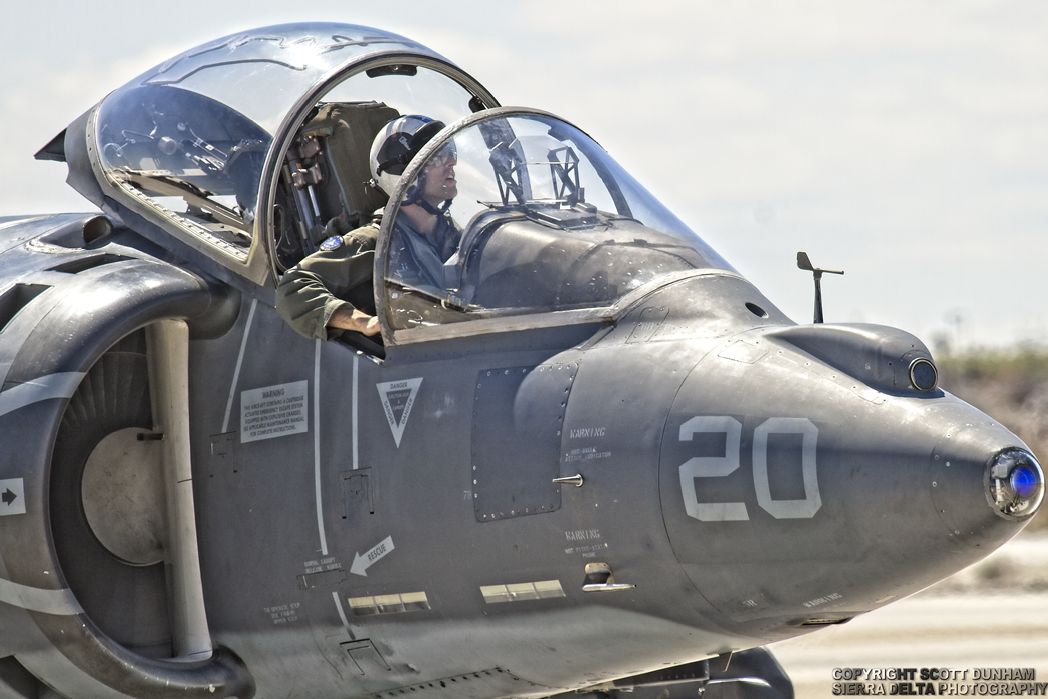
994, 614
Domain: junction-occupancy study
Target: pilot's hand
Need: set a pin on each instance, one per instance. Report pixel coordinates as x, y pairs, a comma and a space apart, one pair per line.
371, 327
349, 318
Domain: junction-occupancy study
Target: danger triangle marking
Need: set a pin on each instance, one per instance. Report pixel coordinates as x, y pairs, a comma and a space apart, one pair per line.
397, 399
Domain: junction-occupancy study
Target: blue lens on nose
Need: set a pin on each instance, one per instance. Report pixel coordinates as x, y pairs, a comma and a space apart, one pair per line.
1015, 483
1025, 481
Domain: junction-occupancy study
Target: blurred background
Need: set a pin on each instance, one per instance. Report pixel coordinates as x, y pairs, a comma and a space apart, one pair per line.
905, 142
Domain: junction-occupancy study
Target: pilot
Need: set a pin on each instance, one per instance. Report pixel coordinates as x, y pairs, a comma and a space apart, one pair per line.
424, 235
330, 291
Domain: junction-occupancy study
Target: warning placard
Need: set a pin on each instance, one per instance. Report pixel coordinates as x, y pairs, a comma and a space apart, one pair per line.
274, 411
397, 399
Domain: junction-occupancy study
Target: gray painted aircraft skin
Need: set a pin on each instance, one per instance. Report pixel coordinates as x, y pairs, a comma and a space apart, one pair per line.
199, 502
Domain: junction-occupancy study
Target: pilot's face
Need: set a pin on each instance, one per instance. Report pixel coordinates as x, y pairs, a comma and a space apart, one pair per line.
440, 184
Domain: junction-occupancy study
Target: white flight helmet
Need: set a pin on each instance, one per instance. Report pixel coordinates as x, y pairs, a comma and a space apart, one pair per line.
396, 144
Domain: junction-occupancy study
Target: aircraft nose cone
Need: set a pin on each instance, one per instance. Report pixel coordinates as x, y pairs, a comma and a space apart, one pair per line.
984, 487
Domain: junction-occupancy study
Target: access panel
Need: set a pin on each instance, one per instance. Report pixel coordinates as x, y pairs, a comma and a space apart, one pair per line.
518, 415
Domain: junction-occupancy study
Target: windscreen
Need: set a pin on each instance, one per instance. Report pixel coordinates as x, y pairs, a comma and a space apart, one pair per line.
522, 213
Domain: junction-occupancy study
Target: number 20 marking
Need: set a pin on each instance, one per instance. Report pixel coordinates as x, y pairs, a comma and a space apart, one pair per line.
719, 466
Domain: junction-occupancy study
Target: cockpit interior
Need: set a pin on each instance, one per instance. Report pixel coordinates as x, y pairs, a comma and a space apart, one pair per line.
544, 219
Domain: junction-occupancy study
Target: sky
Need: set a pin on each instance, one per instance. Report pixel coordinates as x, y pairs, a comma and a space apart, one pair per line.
905, 142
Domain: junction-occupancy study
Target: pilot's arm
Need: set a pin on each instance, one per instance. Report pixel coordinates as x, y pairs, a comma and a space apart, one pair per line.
331, 290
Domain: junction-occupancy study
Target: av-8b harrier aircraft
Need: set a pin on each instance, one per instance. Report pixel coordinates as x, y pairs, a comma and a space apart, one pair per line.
585, 458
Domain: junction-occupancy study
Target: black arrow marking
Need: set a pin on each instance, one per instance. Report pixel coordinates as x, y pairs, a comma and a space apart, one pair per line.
9, 496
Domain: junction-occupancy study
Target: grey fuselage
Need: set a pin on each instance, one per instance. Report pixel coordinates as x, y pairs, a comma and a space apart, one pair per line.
366, 526
591, 457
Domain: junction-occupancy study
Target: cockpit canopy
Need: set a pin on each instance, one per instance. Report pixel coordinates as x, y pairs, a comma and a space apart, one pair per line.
253, 149
526, 214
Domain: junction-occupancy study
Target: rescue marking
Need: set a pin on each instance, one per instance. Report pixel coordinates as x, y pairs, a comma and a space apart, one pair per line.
236, 368
371, 557
35, 599
274, 411
720, 466
398, 397
61, 385
321, 566
12, 497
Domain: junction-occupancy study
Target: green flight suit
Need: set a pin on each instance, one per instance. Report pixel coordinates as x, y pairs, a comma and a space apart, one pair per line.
311, 291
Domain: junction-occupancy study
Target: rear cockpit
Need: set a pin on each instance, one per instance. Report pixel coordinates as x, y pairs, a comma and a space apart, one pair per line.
325, 181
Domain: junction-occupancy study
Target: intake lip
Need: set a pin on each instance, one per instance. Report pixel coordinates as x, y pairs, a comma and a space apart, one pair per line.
1014, 484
